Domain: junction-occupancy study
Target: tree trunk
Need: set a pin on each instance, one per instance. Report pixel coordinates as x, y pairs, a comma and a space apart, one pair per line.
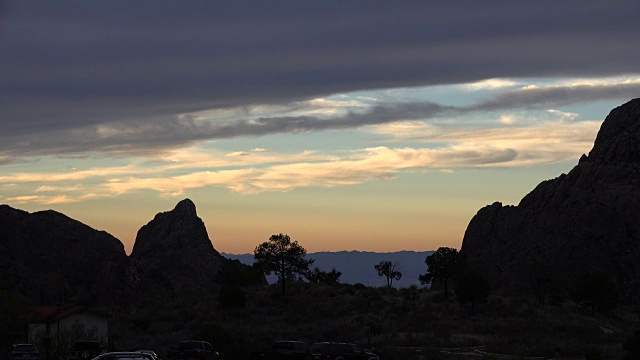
283, 275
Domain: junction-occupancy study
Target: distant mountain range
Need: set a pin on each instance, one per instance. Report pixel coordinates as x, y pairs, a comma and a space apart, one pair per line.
357, 266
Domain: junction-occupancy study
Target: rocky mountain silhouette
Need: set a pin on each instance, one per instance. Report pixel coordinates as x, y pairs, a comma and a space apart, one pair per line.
174, 255
53, 259
583, 221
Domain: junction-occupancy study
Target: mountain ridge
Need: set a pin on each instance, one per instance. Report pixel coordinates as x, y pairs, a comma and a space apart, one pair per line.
357, 266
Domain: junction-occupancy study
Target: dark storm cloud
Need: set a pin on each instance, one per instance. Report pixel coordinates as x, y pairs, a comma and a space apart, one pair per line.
69, 67
142, 137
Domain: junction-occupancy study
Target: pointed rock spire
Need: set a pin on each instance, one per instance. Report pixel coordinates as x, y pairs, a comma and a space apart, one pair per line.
186, 207
175, 255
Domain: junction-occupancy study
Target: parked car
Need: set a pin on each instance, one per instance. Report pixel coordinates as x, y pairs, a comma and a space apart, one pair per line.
25, 352
85, 350
339, 351
192, 350
150, 352
283, 349
125, 355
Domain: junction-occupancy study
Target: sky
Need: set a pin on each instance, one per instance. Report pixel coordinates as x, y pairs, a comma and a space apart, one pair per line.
349, 125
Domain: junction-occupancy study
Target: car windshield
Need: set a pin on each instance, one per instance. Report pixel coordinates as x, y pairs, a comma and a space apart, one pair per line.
150, 352
188, 345
25, 348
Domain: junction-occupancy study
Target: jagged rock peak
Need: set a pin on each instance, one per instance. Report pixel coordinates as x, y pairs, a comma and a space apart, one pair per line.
186, 207
174, 255
178, 229
618, 140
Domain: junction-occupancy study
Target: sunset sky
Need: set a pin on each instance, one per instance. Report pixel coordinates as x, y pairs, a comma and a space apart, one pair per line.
349, 125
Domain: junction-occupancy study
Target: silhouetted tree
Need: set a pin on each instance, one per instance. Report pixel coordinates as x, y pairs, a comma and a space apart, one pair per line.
390, 270
444, 264
318, 276
595, 291
472, 288
235, 273
410, 294
282, 257
14, 312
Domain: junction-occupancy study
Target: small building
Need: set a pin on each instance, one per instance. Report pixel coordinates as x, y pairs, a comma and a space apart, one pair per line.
48, 324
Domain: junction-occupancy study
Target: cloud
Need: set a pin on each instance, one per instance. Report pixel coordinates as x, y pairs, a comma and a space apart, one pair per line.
545, 140
73, 68
490, 84
238, 153
146, 138
444, 149
368, 165
143, 138
559, 95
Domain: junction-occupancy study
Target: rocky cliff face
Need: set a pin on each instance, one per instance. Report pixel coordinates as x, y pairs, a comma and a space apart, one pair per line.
53, 259
583, 221
174, 256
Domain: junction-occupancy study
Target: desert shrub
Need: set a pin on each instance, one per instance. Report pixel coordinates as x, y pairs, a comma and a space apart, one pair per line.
595, 291
141, 323
632, 346
593, 354
471, 288
229, 297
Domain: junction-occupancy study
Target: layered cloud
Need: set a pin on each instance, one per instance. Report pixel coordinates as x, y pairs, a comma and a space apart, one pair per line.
259, 170
151, 101
146, 137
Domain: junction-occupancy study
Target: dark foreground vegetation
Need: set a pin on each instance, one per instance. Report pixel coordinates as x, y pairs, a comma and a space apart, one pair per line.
460, 317
410, 323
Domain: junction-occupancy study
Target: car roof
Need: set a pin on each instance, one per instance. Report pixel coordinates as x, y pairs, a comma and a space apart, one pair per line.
121, 353
126, 354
